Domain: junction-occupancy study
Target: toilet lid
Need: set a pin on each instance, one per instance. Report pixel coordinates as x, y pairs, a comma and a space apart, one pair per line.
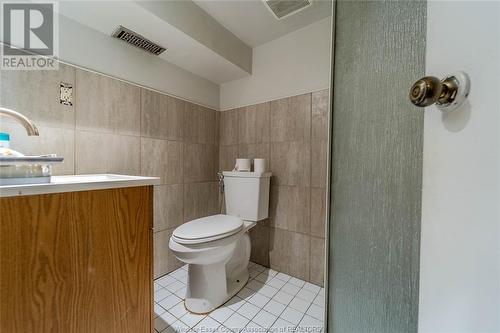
207, 229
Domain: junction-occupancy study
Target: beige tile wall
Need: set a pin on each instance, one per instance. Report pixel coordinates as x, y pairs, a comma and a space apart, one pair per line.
292, 135
116, 127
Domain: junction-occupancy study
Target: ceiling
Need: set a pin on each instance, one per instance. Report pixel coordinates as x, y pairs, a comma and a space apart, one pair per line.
253, 23
210, 38
182, 50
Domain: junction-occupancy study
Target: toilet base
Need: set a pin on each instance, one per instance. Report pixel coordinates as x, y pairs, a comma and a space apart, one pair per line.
208, 288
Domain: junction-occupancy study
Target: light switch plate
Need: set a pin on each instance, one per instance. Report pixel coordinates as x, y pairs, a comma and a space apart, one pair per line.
66, 94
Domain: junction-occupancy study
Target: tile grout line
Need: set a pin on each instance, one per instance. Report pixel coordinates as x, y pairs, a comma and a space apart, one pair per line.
310, 181
274, 276
271, 298
74, 121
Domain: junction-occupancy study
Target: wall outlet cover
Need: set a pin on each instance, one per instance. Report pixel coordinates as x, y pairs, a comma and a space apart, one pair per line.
66, 94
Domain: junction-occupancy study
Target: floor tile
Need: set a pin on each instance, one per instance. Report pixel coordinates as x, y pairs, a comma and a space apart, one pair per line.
161, 294
235, 303
169, 329
264, 319
252, 274
282, 326
236, 322
165, 280
320, 300
174, 286
276, 283
297, 282
160, 324
259, 300
167, 318
283, 297
192, 319
169, 301
271, 300
223, 329
309, 324
274, 307
248, 310
306, 295
283, 276
299, 304
316, 312
179, 327
291, 315
206, 325
267, 291
183, 279
290, 289
158, 309
253, 328
311, 287
264, 277
259, 267
178, 310
221, 314
246, 293
255, 285
178, 274
181, 293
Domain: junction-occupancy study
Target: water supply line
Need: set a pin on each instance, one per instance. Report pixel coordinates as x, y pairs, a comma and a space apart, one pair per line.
220, 176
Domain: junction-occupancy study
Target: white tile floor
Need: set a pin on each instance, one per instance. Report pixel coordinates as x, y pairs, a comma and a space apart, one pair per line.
270, 302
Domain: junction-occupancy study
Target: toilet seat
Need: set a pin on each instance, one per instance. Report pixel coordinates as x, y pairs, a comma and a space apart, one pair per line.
207, 229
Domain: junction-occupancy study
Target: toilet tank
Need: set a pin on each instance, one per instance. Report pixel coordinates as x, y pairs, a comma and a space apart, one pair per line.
247, 194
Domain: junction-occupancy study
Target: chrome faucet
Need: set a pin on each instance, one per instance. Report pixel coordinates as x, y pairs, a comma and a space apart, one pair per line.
23, 120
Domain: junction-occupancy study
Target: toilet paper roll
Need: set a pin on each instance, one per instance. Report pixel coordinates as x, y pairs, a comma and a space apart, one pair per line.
259, 165
243, 164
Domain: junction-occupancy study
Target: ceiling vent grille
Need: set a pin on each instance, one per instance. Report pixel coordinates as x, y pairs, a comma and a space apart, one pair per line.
284, 8
137, 40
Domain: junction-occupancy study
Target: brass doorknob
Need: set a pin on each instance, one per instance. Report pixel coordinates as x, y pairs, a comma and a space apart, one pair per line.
448, 93
426, 91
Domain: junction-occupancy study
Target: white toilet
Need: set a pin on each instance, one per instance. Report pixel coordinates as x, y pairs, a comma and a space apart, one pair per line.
217, 247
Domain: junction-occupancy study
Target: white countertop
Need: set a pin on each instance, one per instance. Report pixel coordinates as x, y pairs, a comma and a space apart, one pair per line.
59, 184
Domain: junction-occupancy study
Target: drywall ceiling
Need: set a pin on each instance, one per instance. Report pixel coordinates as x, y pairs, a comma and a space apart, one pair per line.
211, 38
197, 43
253, 23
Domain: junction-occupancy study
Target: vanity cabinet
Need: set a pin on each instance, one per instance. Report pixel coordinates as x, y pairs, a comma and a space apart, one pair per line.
77, 261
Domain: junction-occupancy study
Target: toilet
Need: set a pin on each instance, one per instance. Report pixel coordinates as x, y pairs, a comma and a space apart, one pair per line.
217, 247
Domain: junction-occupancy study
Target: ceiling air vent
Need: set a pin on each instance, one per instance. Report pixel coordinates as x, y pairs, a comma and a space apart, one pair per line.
284, 8
137, 40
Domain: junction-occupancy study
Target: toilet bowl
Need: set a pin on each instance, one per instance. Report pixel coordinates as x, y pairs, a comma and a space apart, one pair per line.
217, 251
217, 248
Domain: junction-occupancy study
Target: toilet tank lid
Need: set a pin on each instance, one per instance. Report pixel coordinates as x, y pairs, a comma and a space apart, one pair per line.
246, 174
208, 227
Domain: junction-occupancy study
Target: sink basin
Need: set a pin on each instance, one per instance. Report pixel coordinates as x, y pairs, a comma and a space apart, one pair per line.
18, 170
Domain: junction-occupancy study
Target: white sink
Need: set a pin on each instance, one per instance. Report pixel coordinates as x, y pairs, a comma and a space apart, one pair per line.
93, 178
75, 183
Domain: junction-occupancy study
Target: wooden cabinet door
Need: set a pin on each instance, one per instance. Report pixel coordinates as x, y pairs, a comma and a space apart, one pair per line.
77, 262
